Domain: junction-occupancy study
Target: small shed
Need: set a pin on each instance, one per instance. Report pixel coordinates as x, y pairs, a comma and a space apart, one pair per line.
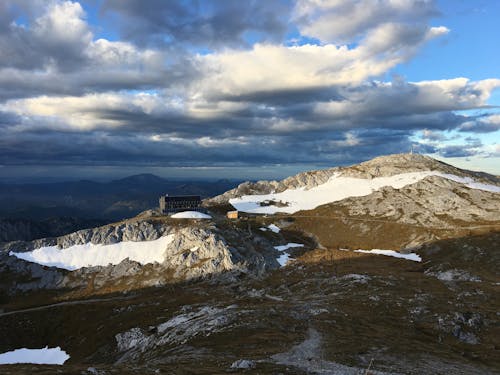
233, 214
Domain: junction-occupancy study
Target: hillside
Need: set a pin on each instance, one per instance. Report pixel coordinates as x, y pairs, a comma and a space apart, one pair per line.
383, 166
389, 265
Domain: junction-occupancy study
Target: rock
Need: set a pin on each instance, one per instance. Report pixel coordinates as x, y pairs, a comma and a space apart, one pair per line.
130, 339
453, 275
243, 364
178, 330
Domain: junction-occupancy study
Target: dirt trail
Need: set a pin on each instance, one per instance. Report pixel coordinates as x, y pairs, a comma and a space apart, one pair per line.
65, 303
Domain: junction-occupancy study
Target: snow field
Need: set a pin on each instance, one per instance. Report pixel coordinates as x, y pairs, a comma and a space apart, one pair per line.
90, 255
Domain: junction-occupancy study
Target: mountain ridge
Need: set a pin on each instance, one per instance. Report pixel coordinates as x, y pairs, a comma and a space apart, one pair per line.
381, 166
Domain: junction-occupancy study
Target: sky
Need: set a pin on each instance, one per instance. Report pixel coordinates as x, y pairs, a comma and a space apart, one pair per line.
255, 89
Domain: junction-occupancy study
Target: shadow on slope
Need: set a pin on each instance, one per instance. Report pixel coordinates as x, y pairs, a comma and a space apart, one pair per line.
363, 307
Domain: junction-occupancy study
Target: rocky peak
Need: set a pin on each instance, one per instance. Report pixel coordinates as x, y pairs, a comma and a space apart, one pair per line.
382, 166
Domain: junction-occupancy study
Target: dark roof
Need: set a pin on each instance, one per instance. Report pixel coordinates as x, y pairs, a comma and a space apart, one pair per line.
176, 198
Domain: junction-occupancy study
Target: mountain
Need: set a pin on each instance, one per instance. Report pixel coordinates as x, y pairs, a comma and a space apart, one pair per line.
383, 166
385, 267
88, 200
27, 230
413, 197
140, 179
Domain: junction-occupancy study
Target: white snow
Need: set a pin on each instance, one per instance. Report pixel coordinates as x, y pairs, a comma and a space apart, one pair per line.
285, 257
273, 228
288, 246
90, 255
470, 183
392, 253
44, 356
338, 188
191, 215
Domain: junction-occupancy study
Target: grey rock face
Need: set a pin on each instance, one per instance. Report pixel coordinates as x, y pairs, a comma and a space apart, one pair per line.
244, 364
130, 339
109, 234
431, 202
464, 326
179, 330
193, 253
136, 230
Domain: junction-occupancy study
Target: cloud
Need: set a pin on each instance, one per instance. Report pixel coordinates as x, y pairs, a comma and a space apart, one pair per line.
484, 124
211, 23
267, 68
339, 22
222, 83
56, 53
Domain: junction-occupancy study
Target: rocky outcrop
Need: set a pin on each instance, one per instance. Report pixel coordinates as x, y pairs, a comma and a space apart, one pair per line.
433, 202
133, 230
195, 252
136, 344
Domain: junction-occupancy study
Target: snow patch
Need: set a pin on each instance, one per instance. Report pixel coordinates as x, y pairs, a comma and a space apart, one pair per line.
392, 253
288, 246
271, 227
190, 215
285, 257
91, 255
274, 228
338, 188
44, 356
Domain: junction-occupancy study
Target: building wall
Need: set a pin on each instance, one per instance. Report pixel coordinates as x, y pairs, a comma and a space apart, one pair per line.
175, 205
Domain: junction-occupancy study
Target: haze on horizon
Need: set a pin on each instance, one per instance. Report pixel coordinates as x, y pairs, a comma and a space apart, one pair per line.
218, 88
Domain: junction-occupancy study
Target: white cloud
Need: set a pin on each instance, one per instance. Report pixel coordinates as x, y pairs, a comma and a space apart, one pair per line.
393, 99
85, 112
337, 21
63, 24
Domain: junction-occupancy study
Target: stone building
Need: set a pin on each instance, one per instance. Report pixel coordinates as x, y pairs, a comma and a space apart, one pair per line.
179, 203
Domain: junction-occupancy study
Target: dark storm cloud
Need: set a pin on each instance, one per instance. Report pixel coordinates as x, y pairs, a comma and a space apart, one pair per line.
207, 23
484, 126
14, 85
456, 151
151, 99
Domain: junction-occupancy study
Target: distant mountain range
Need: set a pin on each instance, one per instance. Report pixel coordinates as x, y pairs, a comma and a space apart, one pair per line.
27, 209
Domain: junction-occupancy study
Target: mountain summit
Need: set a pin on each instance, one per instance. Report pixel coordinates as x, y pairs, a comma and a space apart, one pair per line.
382, 166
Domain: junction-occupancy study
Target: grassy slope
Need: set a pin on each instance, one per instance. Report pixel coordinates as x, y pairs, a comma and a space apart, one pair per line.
392, 318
